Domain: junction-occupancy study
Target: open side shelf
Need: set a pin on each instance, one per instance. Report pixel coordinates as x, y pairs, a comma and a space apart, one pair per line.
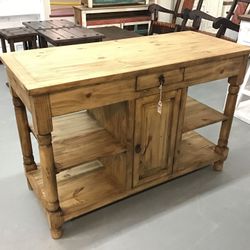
81, 189
77, 138
199, 115
195, 152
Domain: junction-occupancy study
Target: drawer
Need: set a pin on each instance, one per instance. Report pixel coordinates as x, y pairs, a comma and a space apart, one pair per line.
152, 80
210, 71
92, 96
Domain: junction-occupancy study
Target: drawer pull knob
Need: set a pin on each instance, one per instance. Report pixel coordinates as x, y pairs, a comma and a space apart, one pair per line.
138, 148
161, 80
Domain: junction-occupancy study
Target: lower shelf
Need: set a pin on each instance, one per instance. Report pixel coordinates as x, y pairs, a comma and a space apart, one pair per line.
195, 152
198, 115
90, 186
78, 138
79, 191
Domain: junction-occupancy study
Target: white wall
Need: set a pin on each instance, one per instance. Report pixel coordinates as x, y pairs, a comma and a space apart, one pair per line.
19, 7
213, 8
169, 4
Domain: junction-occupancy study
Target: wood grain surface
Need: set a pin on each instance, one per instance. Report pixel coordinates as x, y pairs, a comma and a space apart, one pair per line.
48, 70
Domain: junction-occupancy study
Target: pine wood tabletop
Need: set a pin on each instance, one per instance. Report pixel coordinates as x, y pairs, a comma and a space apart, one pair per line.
47, 70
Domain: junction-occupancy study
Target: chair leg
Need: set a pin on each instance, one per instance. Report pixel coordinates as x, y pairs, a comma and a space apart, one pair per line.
33, 43
3, 45
12, 46
25, 46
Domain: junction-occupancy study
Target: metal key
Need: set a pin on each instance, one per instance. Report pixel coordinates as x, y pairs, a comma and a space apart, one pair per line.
159, 106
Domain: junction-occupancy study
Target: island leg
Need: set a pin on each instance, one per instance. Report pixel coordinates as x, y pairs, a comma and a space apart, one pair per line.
42, 122
24, 135
229, 109
50, 186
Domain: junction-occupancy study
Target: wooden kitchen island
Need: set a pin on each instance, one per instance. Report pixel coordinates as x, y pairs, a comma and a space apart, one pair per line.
101, 131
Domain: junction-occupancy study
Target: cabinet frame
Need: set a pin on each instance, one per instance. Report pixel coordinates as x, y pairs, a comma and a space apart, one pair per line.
110, 93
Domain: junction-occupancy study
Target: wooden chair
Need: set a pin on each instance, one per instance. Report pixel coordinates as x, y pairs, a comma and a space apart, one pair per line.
182, 8
231, 21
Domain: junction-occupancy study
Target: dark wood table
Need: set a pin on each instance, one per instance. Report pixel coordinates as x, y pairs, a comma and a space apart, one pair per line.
19, 34
62, 32
45, 25
69, 36
49, 24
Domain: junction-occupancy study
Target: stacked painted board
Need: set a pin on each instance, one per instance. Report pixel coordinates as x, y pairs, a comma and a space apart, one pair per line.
63, 7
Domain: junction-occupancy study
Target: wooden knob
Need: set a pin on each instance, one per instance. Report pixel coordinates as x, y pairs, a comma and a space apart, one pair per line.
138, 148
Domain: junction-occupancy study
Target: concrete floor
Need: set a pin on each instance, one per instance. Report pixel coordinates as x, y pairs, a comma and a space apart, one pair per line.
201, 211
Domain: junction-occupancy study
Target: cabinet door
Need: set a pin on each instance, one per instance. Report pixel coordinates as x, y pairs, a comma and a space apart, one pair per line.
155, 136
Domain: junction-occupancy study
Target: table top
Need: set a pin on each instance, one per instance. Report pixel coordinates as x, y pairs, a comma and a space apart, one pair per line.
71, 35
49, 24
16, 32
60, 68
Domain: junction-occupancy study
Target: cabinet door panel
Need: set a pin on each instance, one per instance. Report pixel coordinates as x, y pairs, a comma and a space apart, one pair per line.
155, 136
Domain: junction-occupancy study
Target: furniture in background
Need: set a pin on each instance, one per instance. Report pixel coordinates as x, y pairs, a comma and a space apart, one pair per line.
69, 36
47, 24
115, 33
20, 34
62, 8
181, 10
243, 102
113, 118
98, 3
62, 32
231, 21
133, 17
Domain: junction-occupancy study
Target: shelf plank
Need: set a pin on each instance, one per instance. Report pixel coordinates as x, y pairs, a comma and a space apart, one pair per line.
77, 139
199, 115
80, 191
195, 152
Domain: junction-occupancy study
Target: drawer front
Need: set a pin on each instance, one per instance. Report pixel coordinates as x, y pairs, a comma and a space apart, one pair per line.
152, 80
92, 96
212, 71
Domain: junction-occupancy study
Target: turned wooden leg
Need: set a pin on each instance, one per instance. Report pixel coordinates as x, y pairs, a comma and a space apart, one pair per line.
50, 185
222, 148
42, 122
24, 135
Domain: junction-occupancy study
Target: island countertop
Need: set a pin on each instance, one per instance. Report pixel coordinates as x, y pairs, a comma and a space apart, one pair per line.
47, 70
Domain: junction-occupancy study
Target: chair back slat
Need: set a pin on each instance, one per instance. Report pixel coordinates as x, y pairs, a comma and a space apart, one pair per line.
176, 10
240, 10
188, 4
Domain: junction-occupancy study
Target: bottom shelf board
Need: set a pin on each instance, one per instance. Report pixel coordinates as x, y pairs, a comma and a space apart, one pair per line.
198, 115
79, 191
243, 111
195, 151
87, 187
78, 138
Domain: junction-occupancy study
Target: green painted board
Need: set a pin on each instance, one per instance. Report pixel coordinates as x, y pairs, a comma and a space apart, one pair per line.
112, 2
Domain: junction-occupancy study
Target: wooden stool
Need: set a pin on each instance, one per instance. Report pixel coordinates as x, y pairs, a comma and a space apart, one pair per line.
19, 34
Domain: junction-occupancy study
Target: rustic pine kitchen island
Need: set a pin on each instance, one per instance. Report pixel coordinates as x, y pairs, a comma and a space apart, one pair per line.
112, 119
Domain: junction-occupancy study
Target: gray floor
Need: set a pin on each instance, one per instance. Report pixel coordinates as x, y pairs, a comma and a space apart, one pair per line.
203, 210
